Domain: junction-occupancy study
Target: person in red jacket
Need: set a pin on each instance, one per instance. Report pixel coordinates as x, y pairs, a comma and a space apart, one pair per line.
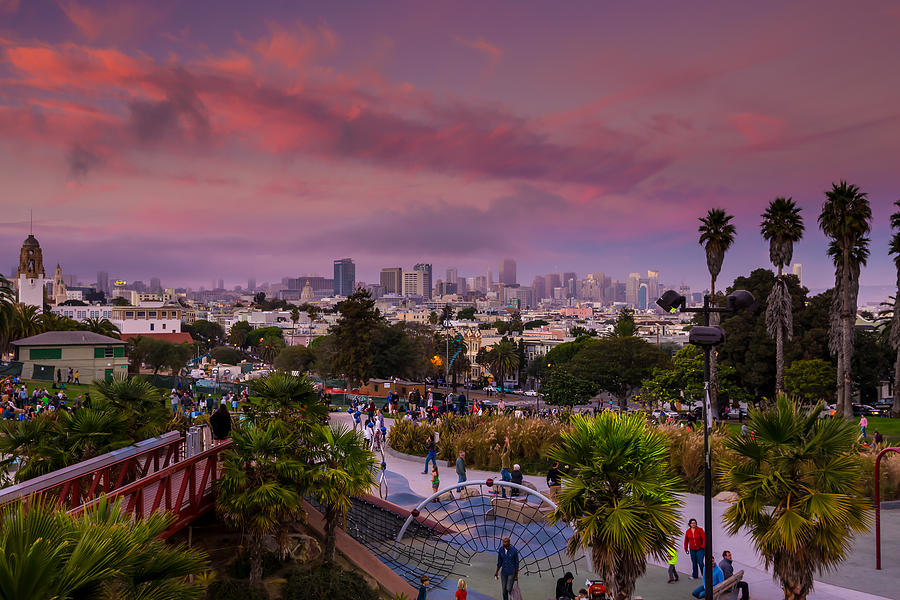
695, 544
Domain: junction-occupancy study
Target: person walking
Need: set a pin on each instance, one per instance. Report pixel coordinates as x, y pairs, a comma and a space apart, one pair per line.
461, 592
727, 566
673, 560
69, 375
863, 424
695, 544
431, 454
435, 479
507, 567
220, 421
554, 479
77, 380
460, 469
516, 477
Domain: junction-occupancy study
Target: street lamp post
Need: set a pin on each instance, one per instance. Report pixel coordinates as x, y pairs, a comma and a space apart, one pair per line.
707, 338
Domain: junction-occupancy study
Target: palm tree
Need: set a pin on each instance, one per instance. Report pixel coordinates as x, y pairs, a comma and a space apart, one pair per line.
345, 468
53, 322
799, 489
288, 398
782, 227
716, 235
47, 553
261, 484
502, 359
102, 326
619, 496
895, 317
845, 218
25, 321
142, 404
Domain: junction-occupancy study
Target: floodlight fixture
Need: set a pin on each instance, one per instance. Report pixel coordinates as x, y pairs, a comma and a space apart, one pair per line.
706, 337
741, 300
671, 301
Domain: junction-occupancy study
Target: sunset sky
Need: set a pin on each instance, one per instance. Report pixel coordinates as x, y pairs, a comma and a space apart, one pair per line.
192, 140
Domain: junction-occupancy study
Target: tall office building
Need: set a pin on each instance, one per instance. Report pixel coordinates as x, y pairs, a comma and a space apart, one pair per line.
251, 284
507, 271
344, 276
551, 282
392, 280
426, 278
632, 289
481, 284
570, 282
155, 284
652, 286
452, 275
413, 283
220, 284
798, 271
103, 282
539, 290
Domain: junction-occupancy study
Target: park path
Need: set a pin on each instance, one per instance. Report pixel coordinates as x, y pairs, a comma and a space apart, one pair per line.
857, 580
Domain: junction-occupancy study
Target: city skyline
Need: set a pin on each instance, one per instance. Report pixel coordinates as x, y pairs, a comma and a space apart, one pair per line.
149, 139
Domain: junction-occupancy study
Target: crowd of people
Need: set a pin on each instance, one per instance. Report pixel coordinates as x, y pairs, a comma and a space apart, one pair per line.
20, 404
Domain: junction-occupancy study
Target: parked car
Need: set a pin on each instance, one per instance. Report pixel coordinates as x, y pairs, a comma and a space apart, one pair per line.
736, 414
531, 393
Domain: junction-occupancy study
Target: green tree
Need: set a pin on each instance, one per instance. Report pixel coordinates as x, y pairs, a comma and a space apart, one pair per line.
536, 324
716, 235
810, 380
870, 364
578, 331
345, 467
261, 483
141, 404
293, 358
288, 398
238, 334
683, 380
782, 227
515, 323
845, 218
206, 333
466, 314
104, 553
561, 388
354, 336
119, 301
799, 486
619, 495
259, 298
227, 355
617, 365
501, 360
625, 325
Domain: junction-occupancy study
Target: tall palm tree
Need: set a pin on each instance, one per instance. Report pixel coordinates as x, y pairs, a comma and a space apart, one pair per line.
7, 302
799, 489
895, 318
102, 326
47, 553
619, 496
716, 235
502, 359
288, 398
846, 219
859, 256
262, 480
54, 322
140, 403
782, 227
345, 467
25, 321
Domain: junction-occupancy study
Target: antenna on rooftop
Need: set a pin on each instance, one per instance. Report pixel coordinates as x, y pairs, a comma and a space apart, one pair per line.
30, 221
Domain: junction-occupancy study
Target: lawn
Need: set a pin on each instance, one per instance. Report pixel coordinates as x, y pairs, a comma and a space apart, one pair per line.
889, 428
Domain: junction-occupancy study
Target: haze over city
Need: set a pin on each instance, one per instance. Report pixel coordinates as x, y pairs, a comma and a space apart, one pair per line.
265, 140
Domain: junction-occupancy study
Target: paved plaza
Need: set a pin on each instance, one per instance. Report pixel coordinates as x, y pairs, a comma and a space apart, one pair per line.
857, 579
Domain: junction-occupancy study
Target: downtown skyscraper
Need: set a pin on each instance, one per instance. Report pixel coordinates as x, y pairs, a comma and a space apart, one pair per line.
344, 276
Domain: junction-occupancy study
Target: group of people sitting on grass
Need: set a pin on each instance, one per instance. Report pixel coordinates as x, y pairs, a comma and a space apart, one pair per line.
16, 403
184, 401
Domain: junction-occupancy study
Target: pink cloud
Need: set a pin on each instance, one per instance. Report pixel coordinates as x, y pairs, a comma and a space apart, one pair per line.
482, 45
114, 20
758, 129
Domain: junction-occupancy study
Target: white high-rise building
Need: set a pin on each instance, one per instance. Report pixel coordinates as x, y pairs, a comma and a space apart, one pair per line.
798, 271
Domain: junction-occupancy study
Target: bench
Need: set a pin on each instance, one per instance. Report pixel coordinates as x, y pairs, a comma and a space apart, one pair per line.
727, 585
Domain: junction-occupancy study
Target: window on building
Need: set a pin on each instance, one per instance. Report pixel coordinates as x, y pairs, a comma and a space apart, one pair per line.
107, 352
45, 353
142, 314
152, 314
129, 314
151, 326
164, 325
119, 351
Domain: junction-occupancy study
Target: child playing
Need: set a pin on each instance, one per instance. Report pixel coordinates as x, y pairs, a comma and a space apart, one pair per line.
461, 590
423, 594
435, 479
582, 594
673, 560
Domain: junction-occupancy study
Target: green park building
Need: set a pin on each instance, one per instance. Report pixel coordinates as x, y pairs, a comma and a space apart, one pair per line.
94, 356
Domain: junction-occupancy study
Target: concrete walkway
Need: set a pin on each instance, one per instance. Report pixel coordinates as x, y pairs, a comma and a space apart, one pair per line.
855, 580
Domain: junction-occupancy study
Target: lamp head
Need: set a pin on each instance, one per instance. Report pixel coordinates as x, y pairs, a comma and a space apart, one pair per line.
741, 300
706, 337
671, 301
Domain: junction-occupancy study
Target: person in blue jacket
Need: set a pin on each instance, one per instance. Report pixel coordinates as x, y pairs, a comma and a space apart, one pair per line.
718, 577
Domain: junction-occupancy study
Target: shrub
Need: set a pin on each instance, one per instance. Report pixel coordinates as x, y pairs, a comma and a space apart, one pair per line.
890, 475
229, 589
332, 583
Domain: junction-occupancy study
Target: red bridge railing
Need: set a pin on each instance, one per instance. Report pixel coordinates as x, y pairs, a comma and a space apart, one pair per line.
185, 488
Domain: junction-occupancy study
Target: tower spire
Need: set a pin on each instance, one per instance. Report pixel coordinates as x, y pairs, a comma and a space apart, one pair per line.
30, 221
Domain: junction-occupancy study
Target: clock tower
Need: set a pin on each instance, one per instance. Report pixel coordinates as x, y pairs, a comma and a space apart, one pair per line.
30, 276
